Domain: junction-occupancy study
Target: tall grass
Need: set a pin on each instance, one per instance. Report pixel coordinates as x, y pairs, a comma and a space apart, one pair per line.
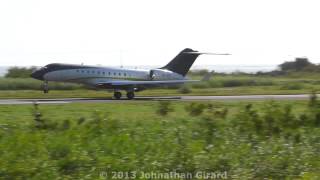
31, 84
285, 83
268, 142
233, 82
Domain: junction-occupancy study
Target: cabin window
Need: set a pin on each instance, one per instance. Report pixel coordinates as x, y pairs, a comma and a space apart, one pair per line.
119, 74
92, 72
82, 71
103, 73
114, 73
124, 74
88, 72
109, 73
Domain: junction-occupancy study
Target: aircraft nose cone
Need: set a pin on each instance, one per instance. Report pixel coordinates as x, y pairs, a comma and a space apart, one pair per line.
38, 74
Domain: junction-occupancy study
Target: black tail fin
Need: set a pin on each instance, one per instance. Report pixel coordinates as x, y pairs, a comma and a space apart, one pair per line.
182, 62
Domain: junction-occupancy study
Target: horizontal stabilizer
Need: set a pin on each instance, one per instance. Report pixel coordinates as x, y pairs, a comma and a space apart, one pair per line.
207, 53
182, 63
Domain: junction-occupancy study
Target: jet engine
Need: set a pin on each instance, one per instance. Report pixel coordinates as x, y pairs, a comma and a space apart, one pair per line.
162, 74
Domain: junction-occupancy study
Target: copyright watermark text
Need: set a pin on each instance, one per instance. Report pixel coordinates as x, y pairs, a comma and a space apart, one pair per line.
163, 175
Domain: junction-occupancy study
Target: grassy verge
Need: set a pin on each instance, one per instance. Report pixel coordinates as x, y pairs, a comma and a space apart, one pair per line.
219, 85
258, 140
32, 84
152, 92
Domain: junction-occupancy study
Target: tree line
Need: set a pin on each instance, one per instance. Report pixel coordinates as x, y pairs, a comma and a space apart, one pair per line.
300, 64
20, 72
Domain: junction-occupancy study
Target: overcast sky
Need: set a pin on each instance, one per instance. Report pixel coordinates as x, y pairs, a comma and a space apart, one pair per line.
147, 32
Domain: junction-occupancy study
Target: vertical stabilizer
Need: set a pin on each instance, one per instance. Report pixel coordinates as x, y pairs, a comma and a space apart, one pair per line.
182, 62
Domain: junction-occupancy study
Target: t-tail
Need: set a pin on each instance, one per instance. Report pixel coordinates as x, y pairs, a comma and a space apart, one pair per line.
182, 63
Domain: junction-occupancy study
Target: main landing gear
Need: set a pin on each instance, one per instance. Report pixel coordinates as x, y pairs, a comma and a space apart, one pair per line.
45, 87
130, 95
117, 95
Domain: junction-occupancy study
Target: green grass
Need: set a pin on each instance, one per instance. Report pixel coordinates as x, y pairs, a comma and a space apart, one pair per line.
267, 139
243, 90
32, 84
218, 85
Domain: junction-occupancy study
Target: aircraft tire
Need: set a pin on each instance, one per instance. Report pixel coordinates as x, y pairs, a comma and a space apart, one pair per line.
117, 95
130, 95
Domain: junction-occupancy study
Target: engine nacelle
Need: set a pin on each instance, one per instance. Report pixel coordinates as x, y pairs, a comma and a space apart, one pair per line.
162, 74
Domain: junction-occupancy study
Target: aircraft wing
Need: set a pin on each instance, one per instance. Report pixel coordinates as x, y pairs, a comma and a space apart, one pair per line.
144, 83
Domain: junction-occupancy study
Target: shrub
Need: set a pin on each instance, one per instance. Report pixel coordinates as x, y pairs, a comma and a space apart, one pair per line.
232, 83
246, 82
313, 100
314, 106
164, 107
292, 86
65, 125
215, 84
265, 140
236, 82
59, 150
201, 85
200, 72
184, 90
195, 109
19, 72
272, 122
41, 123
32, 84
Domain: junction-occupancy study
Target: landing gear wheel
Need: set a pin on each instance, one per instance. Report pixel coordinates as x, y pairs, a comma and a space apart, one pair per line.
130, 95
117, 95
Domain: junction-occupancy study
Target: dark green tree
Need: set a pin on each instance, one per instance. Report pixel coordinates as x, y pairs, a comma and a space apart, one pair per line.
20, 72
298, 65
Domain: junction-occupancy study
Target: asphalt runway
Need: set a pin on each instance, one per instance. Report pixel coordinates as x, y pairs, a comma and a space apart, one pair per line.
144, 99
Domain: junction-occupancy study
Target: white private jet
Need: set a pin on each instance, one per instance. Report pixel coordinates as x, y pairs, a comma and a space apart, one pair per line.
117, 79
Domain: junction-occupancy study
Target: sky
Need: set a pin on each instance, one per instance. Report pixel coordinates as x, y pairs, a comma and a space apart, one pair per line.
152, 32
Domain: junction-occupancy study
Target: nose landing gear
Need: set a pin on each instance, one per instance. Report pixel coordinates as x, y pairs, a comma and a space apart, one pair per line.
45, 87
